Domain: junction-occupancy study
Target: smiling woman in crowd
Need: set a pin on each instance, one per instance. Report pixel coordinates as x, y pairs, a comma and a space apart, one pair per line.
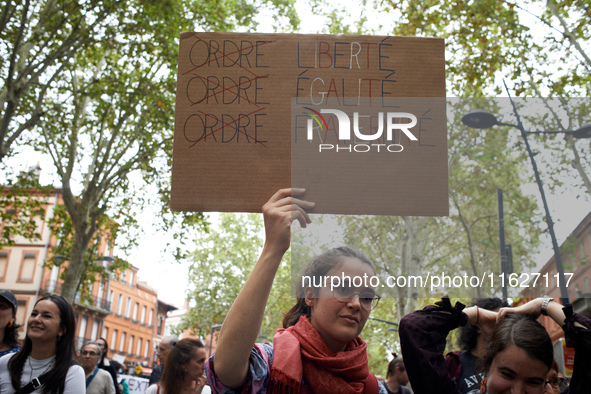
46, 360
519, 354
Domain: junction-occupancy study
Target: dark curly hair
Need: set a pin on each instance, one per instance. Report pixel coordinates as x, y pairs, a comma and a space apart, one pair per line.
468, 337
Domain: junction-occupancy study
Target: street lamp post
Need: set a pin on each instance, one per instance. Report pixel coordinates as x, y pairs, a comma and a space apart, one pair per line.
213, 328
485, 120
502, 245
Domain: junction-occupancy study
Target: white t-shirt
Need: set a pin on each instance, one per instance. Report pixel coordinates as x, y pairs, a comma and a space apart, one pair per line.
75, 379
153, 389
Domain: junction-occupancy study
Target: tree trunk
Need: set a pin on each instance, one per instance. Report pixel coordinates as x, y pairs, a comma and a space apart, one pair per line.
83, 232
76, 267
415, 240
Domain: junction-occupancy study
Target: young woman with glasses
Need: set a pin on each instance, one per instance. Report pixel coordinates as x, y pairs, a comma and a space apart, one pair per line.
319, 350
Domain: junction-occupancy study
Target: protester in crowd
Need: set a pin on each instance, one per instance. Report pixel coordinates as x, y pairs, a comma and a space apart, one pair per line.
396, 377
47, 356
8, 327
118, 367
463, 365
517, 358
124, 386
183, 369
106, 364
320, 349
552, 385
98, 381
162, 350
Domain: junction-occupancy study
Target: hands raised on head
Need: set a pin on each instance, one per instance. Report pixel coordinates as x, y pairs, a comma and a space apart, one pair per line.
486, 320
532, 308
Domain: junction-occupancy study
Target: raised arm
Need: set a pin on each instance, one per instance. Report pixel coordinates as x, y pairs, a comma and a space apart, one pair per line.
243, 322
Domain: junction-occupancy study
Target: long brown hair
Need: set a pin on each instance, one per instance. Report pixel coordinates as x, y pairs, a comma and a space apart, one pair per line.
319, 267
173, 375
64, 356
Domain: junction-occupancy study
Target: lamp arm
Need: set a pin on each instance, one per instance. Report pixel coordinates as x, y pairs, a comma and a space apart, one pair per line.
507, 124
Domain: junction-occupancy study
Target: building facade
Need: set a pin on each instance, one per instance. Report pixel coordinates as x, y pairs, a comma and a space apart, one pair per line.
131, 326
576, 257
163, 309
123, 310
21, 265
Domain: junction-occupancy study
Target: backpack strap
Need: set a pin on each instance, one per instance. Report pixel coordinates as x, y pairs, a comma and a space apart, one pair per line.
34, 384
371, 385
91, 377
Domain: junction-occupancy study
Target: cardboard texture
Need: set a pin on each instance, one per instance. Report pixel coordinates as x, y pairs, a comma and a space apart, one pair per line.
241, 131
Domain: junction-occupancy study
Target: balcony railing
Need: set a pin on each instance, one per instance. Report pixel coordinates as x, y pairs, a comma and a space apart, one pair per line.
53, 287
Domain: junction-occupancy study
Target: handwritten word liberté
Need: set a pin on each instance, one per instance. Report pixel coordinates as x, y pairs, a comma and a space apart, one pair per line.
214, 82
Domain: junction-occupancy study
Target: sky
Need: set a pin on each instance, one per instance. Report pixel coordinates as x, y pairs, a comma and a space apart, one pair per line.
170, 278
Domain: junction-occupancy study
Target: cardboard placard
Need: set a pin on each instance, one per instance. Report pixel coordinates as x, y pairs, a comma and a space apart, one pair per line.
239, 100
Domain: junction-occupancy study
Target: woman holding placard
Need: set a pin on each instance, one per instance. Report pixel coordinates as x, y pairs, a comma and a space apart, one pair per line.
319, 350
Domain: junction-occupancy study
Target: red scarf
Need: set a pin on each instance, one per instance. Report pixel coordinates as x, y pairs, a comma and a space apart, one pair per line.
300, 351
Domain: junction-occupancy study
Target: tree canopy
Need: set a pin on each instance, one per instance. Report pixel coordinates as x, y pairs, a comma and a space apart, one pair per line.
220, 264
97, 83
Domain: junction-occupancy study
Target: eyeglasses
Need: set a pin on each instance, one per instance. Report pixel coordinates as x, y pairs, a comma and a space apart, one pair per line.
367, 299
554, 383
88, 353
